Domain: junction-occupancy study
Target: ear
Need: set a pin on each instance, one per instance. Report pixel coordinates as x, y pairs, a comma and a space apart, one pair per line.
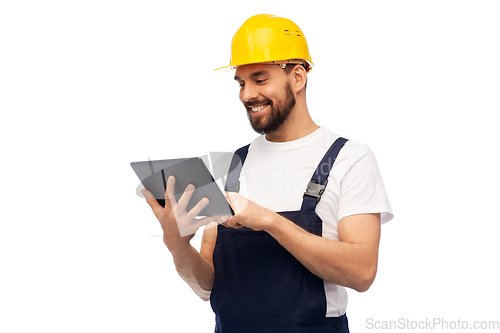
298, 79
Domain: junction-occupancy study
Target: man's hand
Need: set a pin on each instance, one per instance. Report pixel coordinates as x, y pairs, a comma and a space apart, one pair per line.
178, 225
247, 213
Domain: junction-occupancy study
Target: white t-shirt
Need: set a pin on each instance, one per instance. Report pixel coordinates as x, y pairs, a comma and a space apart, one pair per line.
275, 176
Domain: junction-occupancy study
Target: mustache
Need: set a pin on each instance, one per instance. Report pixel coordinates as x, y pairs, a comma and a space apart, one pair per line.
250, 104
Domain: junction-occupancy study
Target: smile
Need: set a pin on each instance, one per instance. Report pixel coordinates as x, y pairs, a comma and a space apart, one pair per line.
258, 108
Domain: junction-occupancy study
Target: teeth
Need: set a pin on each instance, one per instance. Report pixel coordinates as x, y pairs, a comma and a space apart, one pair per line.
258, 108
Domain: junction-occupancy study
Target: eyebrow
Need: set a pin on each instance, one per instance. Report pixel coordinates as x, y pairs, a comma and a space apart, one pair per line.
253, 75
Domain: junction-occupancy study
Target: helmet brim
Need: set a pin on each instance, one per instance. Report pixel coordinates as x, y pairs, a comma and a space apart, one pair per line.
233, 67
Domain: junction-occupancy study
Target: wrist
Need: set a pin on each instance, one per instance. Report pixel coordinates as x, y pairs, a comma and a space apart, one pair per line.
176, 245
272, 222
280, 226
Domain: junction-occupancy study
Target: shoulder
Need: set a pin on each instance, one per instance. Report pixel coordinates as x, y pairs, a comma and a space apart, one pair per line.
354, 150
256, 143
357, 158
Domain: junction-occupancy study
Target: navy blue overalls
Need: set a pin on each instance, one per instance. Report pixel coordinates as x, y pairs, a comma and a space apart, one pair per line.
259, 286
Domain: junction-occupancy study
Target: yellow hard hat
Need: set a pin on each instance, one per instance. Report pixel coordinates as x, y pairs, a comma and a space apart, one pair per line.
267, 38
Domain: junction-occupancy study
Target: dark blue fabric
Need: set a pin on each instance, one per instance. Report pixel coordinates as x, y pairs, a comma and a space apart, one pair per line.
259, 286
321, 173
232, 182
287, 325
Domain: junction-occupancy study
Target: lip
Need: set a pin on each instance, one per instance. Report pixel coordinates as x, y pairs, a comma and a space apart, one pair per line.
258, 113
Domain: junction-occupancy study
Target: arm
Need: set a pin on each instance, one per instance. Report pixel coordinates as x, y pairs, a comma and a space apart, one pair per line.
179, 227
197, 269
350, 262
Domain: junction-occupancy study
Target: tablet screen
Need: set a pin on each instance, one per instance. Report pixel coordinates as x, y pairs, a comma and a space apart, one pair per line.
154, 175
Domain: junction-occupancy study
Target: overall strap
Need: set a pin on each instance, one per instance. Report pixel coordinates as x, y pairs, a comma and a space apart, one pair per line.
319, 179
233, 176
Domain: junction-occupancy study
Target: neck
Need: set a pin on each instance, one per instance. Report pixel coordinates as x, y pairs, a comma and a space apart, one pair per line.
298, 125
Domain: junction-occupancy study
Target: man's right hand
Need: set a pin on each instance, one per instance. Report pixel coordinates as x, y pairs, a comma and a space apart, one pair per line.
178, 225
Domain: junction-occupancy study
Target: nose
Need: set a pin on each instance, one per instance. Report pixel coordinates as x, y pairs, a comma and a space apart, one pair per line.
248, 93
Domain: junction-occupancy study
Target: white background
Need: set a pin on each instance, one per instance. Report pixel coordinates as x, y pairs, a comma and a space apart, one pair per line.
86, 87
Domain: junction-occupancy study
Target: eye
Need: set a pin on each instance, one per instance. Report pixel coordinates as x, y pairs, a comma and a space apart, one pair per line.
242, 85
260, 81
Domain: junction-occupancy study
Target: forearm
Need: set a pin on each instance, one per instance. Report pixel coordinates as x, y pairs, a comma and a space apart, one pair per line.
195, 270
348, 264
179, 226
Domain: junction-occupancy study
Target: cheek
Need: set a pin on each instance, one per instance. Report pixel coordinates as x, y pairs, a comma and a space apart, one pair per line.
272, 93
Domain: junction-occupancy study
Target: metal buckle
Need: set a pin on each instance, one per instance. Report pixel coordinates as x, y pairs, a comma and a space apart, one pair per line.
315, 190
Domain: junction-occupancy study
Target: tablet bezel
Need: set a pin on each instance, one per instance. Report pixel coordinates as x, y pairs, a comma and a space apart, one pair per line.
154, 174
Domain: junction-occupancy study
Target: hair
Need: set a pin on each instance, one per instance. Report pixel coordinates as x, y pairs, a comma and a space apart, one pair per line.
289, 67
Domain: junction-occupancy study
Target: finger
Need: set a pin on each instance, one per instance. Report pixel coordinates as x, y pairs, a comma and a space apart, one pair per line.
195, 211
150, 199
232, 223
170, 191
211, 224
192, 226
236, 226
203, 221
226, 194
186, 196
223, 219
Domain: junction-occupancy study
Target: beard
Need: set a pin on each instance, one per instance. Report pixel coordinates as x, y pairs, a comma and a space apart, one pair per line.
276, 116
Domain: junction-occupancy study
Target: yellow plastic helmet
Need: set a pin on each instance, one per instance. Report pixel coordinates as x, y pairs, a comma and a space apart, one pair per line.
267, 38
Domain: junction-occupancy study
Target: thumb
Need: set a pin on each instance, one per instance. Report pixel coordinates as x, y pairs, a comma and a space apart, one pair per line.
233, 222
150, 199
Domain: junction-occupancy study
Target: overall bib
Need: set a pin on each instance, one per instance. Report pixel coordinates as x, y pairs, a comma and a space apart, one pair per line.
259, 286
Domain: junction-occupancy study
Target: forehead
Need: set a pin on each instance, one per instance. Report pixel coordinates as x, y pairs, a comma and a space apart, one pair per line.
253, 70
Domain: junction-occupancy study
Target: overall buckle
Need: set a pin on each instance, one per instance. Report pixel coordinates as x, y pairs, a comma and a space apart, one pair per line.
315, 190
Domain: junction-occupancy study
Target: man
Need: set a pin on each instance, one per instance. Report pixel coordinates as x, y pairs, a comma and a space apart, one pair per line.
309, 208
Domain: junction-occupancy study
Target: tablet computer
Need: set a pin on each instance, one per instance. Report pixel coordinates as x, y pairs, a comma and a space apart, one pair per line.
154, 175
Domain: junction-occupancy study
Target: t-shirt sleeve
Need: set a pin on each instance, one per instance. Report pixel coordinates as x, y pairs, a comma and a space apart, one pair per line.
361, 188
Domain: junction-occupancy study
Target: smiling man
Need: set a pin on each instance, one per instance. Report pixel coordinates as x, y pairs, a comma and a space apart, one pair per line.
265, 116
269, 98
308, 204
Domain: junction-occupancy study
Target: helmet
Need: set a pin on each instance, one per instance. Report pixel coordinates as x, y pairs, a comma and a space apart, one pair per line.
267, 38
